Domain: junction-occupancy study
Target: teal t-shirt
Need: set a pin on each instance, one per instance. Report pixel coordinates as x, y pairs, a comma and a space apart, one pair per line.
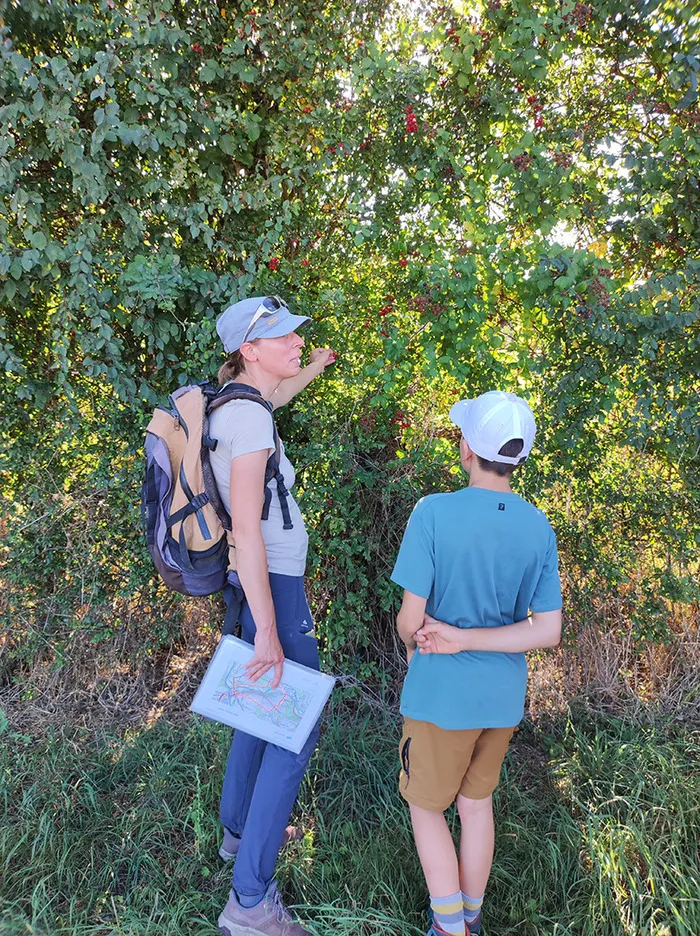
481, 558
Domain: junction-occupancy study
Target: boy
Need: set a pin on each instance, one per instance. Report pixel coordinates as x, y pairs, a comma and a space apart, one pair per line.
482, 563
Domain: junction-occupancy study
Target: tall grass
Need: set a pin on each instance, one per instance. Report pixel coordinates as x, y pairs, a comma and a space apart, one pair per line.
116, 832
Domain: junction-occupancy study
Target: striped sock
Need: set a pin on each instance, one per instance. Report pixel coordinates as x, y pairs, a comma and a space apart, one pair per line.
472, 913
448, 914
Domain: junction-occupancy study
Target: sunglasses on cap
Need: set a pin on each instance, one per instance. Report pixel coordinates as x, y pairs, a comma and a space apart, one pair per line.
267, 307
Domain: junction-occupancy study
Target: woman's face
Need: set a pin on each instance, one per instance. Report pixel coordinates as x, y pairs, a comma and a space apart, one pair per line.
280, 357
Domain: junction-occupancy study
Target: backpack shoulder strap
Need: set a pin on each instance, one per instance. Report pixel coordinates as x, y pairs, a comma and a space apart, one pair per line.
218, 396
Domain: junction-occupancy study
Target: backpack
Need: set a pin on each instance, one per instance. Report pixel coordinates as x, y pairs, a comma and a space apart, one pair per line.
187, 527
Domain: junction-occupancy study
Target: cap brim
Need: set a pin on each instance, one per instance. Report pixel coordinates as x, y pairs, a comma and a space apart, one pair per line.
458, 412
285, 326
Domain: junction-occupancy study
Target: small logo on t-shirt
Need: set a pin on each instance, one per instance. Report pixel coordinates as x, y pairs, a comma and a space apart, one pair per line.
501, 506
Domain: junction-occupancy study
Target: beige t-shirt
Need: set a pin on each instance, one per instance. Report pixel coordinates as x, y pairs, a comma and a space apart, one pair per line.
241, 427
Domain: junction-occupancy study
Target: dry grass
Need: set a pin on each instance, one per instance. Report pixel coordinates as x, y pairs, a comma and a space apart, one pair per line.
602, 666
599, 667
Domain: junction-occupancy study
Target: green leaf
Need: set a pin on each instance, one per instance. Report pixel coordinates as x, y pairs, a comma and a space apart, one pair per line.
38, 240
228, 144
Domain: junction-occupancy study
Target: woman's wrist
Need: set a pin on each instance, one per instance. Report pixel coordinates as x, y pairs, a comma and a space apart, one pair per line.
315, 368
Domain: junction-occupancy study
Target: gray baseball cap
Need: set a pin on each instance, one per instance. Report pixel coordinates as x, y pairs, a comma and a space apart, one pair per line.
257, 317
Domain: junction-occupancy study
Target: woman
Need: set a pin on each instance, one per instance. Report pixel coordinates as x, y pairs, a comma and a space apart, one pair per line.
262, 779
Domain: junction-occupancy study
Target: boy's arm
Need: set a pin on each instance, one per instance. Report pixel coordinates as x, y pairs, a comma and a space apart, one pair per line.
541, 629
320, 358
409, 619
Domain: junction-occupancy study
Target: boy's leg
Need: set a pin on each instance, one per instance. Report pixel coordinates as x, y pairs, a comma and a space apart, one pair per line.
475, 807
433, 763
436, 850
475, 855
439, 862
475, 844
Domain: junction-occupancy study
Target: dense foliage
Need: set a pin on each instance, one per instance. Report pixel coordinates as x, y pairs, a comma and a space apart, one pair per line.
463, 196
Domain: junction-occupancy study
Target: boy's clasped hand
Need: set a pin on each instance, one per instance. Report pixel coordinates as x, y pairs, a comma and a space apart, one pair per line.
437, 637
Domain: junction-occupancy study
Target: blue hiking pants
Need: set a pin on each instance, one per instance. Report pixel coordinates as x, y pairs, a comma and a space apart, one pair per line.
262, 779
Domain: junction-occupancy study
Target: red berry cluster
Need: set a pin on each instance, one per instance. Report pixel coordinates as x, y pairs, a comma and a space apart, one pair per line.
452, 34
304, 262
340, 148
274, 263
402, 419
385, 309
584, 311
580, 16
600, 292
411, 120
368, 422
523, 162
419, 303
563, 160
196, 47
536, 110
403, 261
427, 301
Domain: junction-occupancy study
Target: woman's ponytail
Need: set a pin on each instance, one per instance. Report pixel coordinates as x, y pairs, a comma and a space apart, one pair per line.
232, 368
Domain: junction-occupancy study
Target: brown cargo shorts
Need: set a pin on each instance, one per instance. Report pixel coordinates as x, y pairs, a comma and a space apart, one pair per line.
437, 764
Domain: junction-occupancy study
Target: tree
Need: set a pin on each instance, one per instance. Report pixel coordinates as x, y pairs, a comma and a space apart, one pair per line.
462, 196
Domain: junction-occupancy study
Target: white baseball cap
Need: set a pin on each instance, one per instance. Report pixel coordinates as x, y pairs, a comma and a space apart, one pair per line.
491, 420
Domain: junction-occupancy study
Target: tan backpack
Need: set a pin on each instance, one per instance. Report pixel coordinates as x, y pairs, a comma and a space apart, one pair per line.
187, 528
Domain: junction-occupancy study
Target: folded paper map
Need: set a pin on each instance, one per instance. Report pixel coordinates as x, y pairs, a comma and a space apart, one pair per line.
284, 716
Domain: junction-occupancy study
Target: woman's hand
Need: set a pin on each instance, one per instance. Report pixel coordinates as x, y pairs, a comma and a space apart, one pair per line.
268, 653
323, 356
436, 637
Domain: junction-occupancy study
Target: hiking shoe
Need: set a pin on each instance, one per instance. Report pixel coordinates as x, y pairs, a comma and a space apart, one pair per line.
471, 929
269, 918
436, 931
231, 843
474, 928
